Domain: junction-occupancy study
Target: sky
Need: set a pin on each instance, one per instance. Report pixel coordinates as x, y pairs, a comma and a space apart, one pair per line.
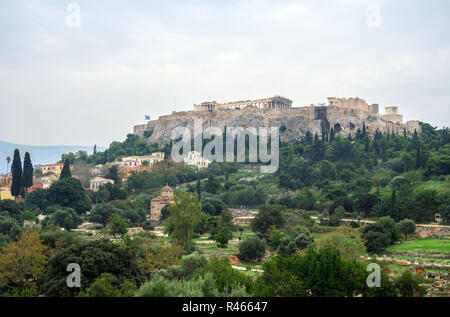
84, 72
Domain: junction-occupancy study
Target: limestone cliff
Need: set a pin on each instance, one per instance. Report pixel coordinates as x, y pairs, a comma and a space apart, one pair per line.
297, 121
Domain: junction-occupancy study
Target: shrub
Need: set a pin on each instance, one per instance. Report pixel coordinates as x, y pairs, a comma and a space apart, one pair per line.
297, 239
252, 248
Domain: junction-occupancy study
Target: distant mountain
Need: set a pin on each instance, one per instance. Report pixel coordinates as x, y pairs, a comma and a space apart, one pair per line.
39, 154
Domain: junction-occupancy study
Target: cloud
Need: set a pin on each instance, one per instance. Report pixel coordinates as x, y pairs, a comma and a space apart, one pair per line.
92, 84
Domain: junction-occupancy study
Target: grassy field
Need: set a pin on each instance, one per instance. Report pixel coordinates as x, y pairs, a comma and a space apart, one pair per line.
428, 244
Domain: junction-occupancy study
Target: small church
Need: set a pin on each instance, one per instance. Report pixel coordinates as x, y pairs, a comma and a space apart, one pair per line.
160, 202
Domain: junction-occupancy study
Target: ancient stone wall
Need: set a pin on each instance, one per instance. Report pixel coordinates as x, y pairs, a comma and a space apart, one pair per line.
352, 103
432, 231
298, 121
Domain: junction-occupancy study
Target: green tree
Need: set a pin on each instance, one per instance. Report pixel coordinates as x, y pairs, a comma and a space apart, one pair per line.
198, 189
379, 235
409, 285
27, 179
94, 257
69, 192
16, 169
222, 236
66, 218
107, 285
327, 170
22, 262
212, 184
296, 239
345, 239
102, 213
225, 276
337, 216
66, 173
267, 217
319, 273
113, 174
252, 248
184, 215
407, 226
117, 225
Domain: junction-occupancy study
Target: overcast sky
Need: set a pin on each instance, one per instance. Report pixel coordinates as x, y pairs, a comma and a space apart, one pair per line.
90, 84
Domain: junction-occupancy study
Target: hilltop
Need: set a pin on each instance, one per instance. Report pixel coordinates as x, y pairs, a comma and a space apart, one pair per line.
345, 116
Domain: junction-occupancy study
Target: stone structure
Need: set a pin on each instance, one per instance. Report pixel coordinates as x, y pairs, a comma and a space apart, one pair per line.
5, 193
159, 202
350, 103
435, 231
276, 102
243, 216
392, 115
345, 116
97, 170
54, 169
98, 181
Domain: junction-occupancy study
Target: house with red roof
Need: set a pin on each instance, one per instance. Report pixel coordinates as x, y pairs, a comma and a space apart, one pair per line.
98, 181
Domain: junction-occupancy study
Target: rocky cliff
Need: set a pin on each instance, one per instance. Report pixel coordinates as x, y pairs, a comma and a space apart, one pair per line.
296, 120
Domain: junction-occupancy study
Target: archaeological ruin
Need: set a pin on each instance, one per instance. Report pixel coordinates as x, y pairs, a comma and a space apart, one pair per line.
345, 115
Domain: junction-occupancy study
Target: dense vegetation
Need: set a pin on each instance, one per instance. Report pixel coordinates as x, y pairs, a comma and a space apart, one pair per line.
395, 180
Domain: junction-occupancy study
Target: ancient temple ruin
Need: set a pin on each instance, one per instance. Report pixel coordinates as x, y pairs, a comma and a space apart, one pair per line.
276, 102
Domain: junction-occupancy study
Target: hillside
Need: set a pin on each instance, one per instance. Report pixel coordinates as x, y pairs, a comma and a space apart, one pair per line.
39, 154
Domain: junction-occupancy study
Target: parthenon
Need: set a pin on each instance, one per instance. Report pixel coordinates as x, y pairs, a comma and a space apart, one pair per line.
276, 102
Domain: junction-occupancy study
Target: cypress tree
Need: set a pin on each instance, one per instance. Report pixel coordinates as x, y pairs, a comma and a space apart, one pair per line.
366, 144
199, 190
309, 138
27, 179
394, 210
16, 169
316, 138
65, 173
332, 135
415, 141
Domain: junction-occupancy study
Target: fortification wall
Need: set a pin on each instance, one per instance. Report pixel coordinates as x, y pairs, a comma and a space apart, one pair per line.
298, 121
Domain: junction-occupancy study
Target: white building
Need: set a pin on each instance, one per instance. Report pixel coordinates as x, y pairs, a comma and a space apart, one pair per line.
137, 161
95, 183
196, 159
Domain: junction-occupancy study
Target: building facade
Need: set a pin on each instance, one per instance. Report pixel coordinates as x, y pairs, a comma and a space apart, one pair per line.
5, 193
96, 182
137, 161
196, 159
54, 169
160, 202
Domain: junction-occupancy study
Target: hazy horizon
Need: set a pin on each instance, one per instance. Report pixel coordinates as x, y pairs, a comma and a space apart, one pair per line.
64, 83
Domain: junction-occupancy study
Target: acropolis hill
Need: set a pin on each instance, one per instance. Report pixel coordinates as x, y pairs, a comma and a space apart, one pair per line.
344, 115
